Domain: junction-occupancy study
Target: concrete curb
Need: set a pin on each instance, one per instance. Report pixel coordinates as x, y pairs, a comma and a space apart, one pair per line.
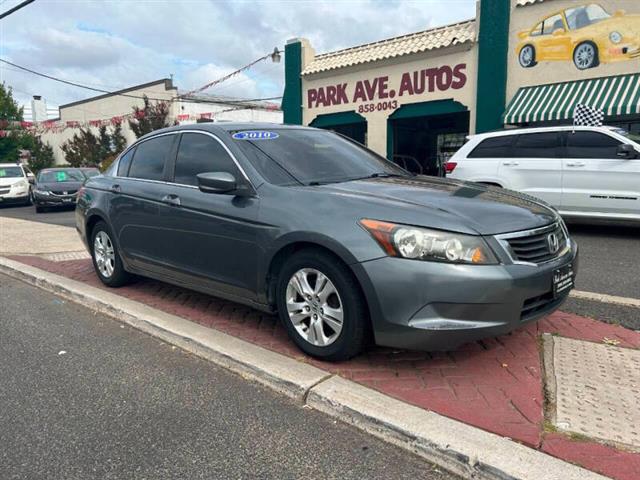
456, 446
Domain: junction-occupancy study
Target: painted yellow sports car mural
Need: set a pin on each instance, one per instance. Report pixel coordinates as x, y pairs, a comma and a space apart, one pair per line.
586, 34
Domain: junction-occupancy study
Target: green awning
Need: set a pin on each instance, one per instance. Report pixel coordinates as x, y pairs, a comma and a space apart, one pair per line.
616, 95
329, 120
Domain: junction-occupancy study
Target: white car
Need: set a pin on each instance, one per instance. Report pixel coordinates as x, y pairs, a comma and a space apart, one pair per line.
591, 172
15, 184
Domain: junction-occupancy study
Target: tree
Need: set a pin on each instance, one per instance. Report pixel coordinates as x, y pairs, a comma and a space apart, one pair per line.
86, 149
149, 118
41, 156
9, 109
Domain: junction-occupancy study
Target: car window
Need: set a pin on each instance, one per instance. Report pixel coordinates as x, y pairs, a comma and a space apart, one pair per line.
493, 147
552, 24
583, 144
585, 15
536, 145
148, 160
11, 172
124, 163
318, 156
59, 176
270, 170
537, 30
199, 153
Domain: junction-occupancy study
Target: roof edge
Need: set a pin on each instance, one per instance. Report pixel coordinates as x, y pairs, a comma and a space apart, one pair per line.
168, 85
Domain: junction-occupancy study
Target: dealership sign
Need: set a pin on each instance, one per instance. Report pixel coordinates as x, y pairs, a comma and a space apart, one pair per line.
411, 83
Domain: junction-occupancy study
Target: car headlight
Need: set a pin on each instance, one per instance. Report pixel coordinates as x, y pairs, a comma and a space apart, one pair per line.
615, 37
418, 243
42, 192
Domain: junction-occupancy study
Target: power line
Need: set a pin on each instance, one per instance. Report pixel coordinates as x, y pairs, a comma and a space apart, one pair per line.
16, 8
100, 90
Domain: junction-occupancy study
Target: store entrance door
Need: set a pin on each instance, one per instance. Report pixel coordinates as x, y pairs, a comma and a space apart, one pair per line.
425, 136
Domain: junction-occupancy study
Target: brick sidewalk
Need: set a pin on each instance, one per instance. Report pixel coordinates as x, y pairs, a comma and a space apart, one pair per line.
494, 384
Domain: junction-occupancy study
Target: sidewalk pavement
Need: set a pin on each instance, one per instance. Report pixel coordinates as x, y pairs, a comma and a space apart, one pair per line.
498, 384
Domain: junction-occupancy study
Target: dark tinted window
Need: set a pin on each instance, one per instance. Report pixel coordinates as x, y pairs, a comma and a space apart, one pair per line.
317, 156
270, 170
591, 145
494, 147
536, 145
59, 176
125, 161
199, 153
148, 160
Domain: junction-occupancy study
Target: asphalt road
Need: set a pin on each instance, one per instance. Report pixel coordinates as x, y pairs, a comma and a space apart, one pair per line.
83, 396
609, 263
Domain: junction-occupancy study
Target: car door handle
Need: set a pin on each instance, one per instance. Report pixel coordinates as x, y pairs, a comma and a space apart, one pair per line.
115, 189
575, 164
509, 164
171, 199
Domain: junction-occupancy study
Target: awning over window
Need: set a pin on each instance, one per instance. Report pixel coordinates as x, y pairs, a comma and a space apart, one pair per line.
617, 95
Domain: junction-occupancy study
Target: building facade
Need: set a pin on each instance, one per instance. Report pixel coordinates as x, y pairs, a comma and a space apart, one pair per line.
415, 98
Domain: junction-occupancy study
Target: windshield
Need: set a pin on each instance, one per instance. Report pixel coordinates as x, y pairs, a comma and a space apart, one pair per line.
58, 176
91, 173
585, 15
11, 172
312, 157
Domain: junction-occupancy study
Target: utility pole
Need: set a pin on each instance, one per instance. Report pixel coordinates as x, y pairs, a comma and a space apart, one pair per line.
16, 8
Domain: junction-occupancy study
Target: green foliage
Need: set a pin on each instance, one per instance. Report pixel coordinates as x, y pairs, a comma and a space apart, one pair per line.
86, 149
149, 118
9, 109
41, 156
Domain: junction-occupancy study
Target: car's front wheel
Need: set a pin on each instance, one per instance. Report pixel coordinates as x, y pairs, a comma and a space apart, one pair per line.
321, 306
585, 56
527, 56
106, 259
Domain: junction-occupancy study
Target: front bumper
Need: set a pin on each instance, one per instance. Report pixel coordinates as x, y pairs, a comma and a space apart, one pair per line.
54, 200
437, 306
14, 196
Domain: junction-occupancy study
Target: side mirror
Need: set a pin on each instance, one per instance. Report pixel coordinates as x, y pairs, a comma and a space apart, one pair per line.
626, 151
31, 178
217, 182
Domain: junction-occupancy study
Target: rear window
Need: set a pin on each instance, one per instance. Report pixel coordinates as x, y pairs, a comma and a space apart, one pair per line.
493, 147
148, 161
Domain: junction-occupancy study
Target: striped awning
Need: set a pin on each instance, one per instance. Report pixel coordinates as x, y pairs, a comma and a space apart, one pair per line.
617, 95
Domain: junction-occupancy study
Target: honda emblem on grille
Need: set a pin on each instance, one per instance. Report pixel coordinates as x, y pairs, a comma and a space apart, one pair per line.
64, 193
554, 242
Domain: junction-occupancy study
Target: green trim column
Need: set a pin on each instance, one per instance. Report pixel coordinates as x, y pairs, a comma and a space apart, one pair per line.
292, 96
493, 48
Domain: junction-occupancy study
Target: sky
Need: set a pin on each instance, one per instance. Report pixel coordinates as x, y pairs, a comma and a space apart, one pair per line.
115, 44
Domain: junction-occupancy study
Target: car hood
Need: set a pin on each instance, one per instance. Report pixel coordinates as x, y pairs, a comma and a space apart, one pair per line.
627, 24
6, 181
483, 209
59, 186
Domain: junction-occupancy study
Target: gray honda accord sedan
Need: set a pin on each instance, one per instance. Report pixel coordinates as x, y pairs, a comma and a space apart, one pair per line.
342, 243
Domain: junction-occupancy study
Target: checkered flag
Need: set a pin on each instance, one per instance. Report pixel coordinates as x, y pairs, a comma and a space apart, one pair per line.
587, 116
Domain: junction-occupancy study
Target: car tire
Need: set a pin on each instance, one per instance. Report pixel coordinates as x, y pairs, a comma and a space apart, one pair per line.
586, 56
106, 258
39, 209
303, 306
527, 56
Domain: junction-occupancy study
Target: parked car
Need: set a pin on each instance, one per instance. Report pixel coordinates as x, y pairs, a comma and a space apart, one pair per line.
15, 184
57, 187
336, 239
591, 172
89, 172
586, 34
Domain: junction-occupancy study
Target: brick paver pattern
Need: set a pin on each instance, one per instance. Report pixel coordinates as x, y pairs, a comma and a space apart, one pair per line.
494, 384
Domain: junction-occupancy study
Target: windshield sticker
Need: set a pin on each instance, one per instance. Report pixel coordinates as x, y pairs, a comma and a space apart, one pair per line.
61, 176
255, 135
3, 173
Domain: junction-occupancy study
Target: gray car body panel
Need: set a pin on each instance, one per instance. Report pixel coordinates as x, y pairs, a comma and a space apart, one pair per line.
224, 245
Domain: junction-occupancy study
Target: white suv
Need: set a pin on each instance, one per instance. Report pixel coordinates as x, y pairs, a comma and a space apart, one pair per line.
15, 184
582, 171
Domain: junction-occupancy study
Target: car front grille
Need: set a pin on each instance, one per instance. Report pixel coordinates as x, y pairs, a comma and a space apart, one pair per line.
63, 193
536, 246
535, 306
4, 190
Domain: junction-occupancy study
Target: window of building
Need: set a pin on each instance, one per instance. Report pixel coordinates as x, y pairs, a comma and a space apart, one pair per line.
537, 145
583, 144
199, 153
124, 163
493, 147
148, 161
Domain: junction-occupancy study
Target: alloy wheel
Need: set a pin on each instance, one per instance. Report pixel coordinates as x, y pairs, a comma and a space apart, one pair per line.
584, 56
104, 254
526, 56
314, 307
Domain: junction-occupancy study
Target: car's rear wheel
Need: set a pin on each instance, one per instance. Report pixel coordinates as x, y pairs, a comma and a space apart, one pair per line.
527, 56
106, 259
321, 306
585, 56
